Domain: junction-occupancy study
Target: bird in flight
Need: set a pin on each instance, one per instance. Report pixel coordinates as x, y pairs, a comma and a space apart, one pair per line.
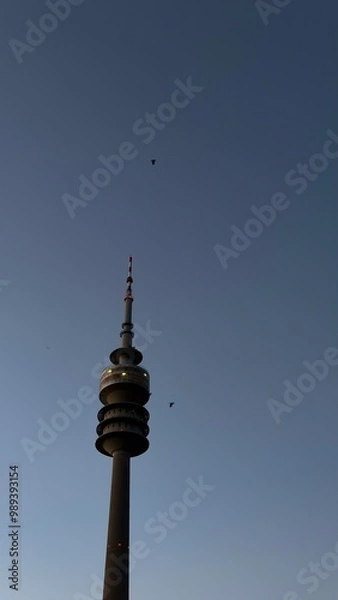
153, 161
171, 404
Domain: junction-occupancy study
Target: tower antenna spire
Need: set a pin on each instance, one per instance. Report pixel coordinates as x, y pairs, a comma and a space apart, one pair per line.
127, 326
129, 294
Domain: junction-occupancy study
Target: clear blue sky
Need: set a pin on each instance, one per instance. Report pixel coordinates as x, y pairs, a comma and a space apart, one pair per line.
229, 336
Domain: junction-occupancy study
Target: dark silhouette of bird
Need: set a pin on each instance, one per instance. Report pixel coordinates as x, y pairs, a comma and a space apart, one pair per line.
47, 347
153, 161
171, 404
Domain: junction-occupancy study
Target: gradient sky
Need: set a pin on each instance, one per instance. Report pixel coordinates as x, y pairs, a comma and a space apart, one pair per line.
229, 337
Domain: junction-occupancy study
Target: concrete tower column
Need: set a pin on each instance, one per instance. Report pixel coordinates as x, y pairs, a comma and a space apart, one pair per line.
116, 581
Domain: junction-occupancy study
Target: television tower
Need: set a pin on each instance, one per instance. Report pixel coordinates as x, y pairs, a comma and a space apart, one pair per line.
122, 431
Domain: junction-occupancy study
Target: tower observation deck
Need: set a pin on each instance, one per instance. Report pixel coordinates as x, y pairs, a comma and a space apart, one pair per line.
122, 434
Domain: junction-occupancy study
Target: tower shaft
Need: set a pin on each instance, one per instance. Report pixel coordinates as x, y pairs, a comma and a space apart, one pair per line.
122, 434
116, 578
